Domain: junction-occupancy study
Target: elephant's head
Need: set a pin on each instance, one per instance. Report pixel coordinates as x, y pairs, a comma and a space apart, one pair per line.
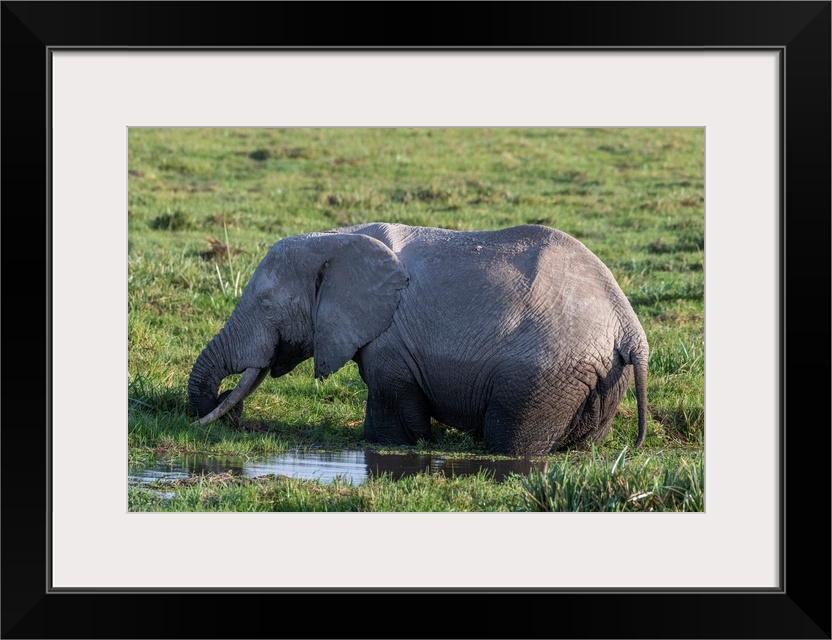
322, 295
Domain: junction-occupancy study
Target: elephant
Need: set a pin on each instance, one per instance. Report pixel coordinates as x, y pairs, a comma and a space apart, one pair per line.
520, 335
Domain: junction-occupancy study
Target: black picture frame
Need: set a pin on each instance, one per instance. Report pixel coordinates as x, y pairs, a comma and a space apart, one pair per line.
799, 31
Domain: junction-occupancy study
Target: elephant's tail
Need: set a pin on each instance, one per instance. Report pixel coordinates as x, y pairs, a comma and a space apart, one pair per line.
638, 358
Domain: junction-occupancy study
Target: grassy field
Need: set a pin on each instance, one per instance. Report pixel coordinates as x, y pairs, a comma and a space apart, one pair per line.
205, 205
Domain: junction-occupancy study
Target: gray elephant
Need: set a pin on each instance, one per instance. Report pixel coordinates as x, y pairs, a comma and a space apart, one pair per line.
521, 335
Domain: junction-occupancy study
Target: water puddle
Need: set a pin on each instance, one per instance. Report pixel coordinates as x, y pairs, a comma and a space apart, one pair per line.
352, 467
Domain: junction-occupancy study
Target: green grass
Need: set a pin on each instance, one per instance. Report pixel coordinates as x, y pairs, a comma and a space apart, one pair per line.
422, 493
204, 206
654, 482
585, 481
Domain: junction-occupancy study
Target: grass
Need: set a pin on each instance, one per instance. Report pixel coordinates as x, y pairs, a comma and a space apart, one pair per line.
590, 482
204, 206
658, 482
418, 493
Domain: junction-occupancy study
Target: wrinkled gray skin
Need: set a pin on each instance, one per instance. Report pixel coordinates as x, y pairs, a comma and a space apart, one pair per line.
521, 336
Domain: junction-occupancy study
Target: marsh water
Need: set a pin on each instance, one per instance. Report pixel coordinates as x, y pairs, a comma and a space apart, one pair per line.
352, 467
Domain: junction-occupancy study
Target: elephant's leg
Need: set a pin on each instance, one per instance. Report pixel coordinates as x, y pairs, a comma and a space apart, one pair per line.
396, 414
611, 390
584, 425
523, 426
594, 419
551, 410
499, 436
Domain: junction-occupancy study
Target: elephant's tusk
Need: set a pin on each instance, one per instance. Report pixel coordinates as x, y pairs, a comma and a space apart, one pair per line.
250, 380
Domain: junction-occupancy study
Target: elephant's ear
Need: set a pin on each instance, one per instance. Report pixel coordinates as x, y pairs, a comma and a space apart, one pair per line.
356, 293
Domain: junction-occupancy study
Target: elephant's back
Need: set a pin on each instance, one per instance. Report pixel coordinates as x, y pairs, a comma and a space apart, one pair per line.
424, 249
402, 237
527, 291
513, 269
506, 284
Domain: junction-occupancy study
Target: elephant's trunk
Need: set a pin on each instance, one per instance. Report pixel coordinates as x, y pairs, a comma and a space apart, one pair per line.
208, 372
249, 382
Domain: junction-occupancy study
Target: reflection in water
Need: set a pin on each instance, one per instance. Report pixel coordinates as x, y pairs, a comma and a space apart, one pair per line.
352, 467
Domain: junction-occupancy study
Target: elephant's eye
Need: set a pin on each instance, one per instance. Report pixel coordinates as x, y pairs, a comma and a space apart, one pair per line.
266, 304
